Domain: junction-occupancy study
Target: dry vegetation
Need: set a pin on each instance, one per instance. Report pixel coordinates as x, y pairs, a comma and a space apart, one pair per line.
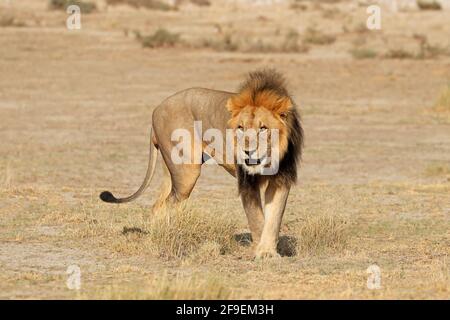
429, 5
443, 102
147, 4
161, 38
85, 6
180, 232
321, 232
314, 36
363, 53
374, 184
205, 287
438, 169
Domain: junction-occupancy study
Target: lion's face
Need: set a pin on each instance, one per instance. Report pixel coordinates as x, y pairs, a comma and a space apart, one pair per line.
261, 135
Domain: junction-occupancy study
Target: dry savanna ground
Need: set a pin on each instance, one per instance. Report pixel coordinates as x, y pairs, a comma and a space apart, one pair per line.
75, 109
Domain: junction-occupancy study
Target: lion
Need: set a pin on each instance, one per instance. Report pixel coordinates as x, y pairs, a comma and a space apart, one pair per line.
261, 103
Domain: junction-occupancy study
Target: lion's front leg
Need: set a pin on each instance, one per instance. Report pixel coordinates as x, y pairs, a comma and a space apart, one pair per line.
274, 205
254, 212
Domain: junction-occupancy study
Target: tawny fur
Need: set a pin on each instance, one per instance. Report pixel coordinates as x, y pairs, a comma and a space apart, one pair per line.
262, 96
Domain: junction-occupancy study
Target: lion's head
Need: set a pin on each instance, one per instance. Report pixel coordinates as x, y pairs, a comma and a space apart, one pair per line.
266, 124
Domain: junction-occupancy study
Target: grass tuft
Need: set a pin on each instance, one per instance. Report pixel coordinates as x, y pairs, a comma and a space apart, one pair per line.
161, 38
85, 6
399, 54
147, 4
292, 43
180, 232
201, 3
314, 36
322, 233
429, 5
225, 43
363, 53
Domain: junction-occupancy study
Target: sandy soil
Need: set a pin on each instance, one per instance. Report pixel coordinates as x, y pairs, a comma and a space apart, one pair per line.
75, 108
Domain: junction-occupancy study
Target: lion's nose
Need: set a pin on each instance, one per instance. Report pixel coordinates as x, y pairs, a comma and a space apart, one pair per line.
249, 153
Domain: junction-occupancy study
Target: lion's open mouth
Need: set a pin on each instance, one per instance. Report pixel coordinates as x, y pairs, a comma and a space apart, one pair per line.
253, 162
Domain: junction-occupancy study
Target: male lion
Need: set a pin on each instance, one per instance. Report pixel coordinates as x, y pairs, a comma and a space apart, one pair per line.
261, 103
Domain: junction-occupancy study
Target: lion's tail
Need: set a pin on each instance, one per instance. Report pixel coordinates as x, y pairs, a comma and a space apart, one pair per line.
153, 154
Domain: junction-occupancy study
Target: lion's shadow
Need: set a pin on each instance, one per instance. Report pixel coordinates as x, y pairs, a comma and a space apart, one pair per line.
287, 245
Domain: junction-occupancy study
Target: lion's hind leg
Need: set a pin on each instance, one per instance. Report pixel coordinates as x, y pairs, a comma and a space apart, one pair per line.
165, 188
178, 182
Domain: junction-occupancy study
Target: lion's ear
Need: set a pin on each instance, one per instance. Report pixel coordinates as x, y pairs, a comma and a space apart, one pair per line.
283, 106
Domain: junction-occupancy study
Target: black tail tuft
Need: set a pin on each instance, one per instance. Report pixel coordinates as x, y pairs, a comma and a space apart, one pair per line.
108, 197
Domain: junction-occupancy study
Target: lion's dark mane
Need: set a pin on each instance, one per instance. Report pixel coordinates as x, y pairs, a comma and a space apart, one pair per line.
271, 80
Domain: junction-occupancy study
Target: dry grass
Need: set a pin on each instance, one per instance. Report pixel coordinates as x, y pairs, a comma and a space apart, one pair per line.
209, 251
443, 102
322, 233
85, 6
9, 20
161, 38
438, 169
368, 147
201, 3
180, 232
363, 53
8, 176
399, 54
314, 36
291, 43
429, 5
147, 4
6, 20
224, 43
204, 287
428, 51
298, 6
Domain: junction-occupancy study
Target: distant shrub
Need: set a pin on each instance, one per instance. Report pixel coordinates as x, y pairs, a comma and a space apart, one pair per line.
148, 4
428, 51
429, 5
292, 43
161, 38
363, 53
85, 7
6, 20
225, 43
298, 6
399, 54
202, 3
314, 36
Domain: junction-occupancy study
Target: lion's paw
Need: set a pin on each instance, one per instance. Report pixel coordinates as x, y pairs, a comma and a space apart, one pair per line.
264, 254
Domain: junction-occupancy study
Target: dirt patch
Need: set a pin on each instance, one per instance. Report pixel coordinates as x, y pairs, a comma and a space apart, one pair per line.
75, 110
